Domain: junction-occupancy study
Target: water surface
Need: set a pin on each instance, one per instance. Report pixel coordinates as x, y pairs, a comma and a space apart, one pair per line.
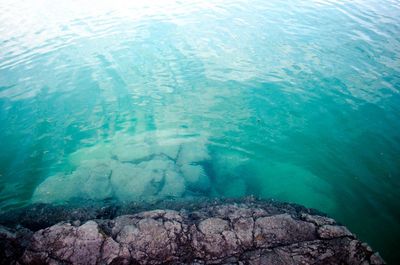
120, 100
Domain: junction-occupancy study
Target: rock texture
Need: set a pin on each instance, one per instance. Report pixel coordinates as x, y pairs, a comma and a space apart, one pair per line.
220, 233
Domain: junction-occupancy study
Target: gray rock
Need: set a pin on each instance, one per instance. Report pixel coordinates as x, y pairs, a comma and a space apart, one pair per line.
213, 238
332, 231
271, 231
245, 233
63, 242
317, 219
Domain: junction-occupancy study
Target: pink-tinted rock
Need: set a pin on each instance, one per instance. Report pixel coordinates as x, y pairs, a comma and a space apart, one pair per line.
249, 233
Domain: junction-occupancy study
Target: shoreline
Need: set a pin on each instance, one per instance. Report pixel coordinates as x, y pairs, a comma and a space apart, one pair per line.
219, 231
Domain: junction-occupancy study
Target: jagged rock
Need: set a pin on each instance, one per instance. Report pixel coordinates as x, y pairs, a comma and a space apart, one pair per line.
216, 233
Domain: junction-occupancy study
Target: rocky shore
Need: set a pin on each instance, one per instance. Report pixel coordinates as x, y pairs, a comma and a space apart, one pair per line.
210, 232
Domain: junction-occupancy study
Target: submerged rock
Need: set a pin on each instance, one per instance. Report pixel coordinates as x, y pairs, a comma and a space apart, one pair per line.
132, 168
78, 184
249, 232
195, 177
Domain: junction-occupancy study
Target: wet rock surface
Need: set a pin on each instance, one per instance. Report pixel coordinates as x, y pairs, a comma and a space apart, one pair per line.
218, 232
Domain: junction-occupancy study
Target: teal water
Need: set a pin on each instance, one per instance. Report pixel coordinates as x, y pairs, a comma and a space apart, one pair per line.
119, 100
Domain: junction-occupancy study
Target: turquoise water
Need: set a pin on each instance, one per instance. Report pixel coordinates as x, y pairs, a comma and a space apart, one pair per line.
119, 100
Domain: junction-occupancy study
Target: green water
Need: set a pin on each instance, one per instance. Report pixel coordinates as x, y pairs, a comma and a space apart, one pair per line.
291, 100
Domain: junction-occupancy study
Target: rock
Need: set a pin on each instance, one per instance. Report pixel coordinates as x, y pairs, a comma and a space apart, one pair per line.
11, 246
130, 181
376, 259
281, 229
213, 226
111, 251
140, 167
171, 150
150, 239
192, 152
174, 185
195, 177
55, 189
100, 151
140, 147
132, 151
250, 232
89, 181
213, 238
244, 228
63, 242
332, 231
97, 186
318, 220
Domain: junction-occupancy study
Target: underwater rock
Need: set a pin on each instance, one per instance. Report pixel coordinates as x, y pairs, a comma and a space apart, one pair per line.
128, 185
195, 177
99, 177
133, 152
171, 150
100, 151
134, 168
248, 232
138, 181
89, 181
174, 184
192, 152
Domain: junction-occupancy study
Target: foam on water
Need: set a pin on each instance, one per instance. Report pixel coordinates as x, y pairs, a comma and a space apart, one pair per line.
146, 100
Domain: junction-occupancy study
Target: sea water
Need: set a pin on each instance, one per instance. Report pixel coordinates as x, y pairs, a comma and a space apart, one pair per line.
147, 100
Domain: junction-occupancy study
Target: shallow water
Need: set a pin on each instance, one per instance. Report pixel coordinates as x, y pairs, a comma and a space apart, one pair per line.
119, 100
